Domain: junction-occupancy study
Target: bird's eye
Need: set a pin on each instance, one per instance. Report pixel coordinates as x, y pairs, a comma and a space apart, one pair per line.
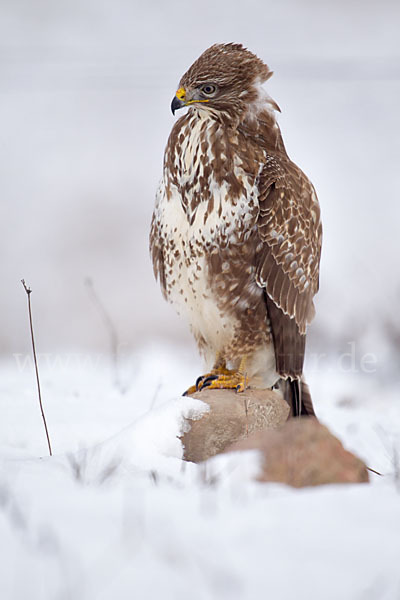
208, 89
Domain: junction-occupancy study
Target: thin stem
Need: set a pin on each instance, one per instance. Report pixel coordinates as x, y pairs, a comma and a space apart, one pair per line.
28, 292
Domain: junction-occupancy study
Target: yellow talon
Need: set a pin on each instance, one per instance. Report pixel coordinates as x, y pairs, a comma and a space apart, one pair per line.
190, 391
221, 378
216, 372
234, 380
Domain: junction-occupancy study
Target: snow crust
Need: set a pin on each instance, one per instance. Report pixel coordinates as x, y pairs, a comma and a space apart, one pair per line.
116, 513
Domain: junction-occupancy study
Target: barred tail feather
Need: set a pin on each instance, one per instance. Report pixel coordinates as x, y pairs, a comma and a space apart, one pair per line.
297, 395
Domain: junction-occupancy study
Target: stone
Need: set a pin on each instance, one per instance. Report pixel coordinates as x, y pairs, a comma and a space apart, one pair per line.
232, 417
303, 453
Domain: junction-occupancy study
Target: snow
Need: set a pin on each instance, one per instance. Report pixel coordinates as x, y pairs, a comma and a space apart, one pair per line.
116, 513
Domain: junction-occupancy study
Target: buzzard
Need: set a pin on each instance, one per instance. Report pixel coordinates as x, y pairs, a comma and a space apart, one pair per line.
236, 233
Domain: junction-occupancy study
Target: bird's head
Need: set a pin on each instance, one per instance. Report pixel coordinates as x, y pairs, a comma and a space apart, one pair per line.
225, 78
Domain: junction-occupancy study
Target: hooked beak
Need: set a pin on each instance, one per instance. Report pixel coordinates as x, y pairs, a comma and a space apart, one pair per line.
176, 104
179, 100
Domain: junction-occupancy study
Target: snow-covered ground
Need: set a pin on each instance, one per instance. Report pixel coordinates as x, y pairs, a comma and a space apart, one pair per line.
117, 514
85, 92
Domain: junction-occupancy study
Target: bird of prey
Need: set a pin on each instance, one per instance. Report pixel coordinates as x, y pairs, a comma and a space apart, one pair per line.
236, 231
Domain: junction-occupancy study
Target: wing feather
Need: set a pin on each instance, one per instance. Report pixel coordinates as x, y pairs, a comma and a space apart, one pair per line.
157, 253
289, 226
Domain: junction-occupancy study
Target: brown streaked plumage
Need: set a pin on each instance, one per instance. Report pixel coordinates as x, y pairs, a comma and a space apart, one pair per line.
236, 232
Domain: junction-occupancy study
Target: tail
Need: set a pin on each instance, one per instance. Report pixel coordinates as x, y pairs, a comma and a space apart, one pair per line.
297, 395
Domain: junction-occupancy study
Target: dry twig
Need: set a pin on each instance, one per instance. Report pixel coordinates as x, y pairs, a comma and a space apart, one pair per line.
28, 292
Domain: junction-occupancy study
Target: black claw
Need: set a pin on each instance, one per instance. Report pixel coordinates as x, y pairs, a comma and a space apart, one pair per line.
198, 380
208, 380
